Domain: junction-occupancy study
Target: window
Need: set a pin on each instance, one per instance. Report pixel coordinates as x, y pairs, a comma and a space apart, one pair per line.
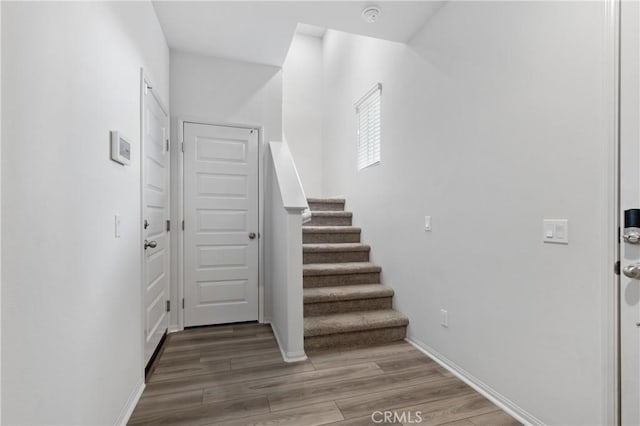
368, 117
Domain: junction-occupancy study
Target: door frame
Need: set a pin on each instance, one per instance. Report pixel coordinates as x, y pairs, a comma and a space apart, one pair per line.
611, 396
626, 137
261, 203
145, 81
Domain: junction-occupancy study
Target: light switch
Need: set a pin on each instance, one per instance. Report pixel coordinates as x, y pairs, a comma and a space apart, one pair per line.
427, 223
548, 230
117, 223
444, 318
560, 231
556, 231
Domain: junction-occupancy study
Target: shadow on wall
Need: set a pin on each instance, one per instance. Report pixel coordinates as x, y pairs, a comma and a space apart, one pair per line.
219, 89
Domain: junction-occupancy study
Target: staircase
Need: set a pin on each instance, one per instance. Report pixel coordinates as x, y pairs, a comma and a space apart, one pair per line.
344, 302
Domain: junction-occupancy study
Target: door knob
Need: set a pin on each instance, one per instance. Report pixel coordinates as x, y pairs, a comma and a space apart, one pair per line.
631, 236
151, 244
252, 235
632, 271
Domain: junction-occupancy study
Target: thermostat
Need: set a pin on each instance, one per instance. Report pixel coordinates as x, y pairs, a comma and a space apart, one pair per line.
120, 148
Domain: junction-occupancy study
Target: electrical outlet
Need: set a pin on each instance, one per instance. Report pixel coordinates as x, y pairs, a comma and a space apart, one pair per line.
444, 318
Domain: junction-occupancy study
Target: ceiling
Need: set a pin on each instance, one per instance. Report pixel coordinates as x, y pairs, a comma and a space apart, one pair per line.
261, 31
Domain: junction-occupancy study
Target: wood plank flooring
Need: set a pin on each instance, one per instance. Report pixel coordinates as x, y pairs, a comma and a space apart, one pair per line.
234, 375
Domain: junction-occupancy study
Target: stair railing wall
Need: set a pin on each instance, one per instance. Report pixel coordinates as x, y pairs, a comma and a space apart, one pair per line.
284, 251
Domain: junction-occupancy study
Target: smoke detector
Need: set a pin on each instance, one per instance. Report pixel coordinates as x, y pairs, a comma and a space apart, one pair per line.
371, 14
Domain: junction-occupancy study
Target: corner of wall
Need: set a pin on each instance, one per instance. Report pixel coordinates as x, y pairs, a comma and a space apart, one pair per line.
1, 3
130, 405
513, 409
302, 100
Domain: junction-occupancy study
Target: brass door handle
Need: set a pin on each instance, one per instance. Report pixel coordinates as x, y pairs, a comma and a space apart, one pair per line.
252, 235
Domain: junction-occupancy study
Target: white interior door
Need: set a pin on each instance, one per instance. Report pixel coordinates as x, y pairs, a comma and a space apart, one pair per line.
221, 224
155, 213
630, 199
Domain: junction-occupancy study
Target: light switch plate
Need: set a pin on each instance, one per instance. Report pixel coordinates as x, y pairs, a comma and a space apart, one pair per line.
117, 223
427, 223
555, 231
444, 318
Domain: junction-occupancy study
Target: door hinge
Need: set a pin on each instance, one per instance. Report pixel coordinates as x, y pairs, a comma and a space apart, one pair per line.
183, 225
168, 225
167, 145
183, 303
182, 146
616, 268
168, 305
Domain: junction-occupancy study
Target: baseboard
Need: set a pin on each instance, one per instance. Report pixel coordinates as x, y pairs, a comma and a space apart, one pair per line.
482, 388
288, 356
266, 320
127, 411
174, 329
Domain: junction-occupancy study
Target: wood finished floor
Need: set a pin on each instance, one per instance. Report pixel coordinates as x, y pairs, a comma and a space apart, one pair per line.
234, 375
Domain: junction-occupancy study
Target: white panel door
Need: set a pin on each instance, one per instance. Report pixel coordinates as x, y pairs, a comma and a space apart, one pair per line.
155, 213
221, 224
629, 199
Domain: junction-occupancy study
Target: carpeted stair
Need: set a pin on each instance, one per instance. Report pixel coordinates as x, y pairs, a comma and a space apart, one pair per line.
344, 302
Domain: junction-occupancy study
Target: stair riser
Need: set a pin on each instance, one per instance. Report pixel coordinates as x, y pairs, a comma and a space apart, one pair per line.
327, 238
326, 207
356, 338
341, 279
344, 306
335, 257
329, 221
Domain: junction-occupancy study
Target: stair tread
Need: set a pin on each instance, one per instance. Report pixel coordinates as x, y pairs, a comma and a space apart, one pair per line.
333, 247
326, 200
314, 269
346, 292
353, 321
318, 229
331, 213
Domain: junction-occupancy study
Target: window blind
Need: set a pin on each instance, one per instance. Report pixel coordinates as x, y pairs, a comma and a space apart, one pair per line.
368, 119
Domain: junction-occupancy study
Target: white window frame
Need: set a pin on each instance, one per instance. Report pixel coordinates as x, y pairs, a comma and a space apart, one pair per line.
368, 108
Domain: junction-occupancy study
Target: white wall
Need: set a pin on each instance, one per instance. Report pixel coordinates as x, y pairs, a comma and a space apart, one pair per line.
220, 90
492, 119
284, 251
71, 295
214, 90
0, 211
302, 109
